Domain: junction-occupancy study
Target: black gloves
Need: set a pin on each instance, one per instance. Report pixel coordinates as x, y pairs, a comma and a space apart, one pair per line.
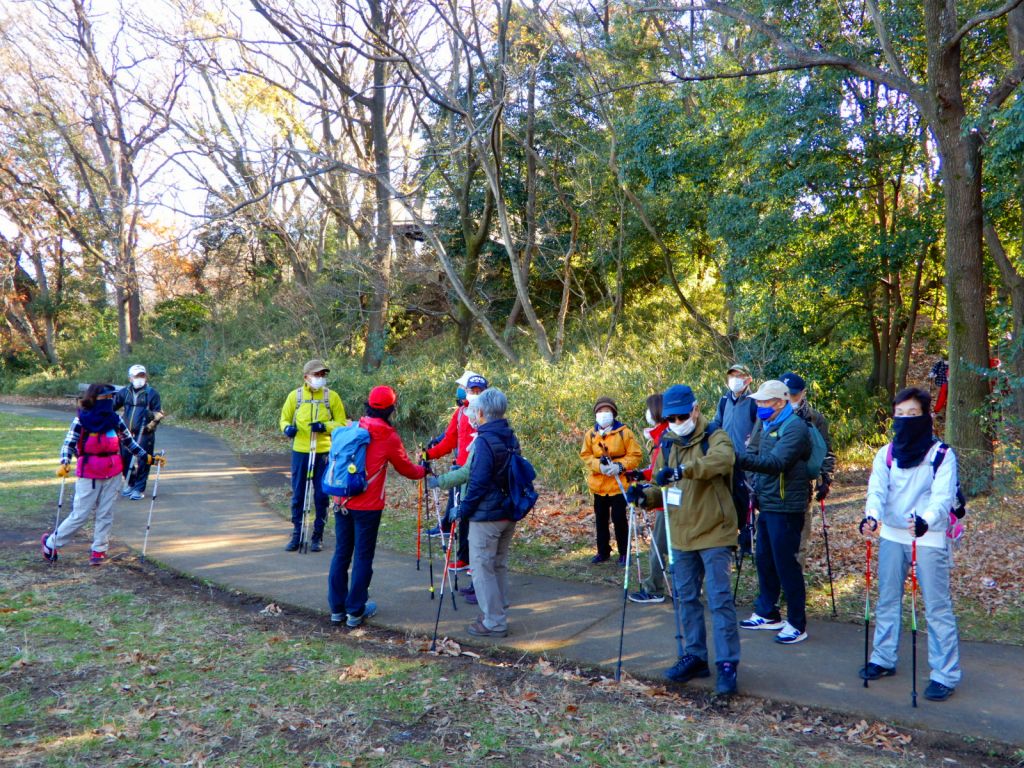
870, 522
920, 527
668, 475
634, 475
635, 495
291, 430
317, 426
821, 491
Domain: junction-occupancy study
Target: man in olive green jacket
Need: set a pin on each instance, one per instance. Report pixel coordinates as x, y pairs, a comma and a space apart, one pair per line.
694, 474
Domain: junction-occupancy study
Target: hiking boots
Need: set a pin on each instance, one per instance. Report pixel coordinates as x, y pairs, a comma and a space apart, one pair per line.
790, 635
478, 629
760, 622
97, 558
687, 668
48, 553
725, 684
471, 598
875, 671
337, 619
293, 543
136, 495
599, 559
317, 544
369, 611
622, 561
936, 691
644, 596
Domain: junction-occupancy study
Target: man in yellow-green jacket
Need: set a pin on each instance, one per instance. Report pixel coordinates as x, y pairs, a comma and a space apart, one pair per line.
308, 416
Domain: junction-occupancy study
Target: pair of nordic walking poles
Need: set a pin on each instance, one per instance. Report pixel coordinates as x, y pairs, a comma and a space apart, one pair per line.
632, 548
913, 612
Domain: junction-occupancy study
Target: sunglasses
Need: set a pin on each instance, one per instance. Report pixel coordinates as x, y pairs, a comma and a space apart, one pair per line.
676, 419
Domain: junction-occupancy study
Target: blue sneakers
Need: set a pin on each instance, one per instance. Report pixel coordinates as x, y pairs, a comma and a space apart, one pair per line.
368, 613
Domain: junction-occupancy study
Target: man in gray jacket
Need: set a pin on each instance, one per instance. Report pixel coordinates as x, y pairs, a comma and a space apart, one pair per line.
736, 415
777, 460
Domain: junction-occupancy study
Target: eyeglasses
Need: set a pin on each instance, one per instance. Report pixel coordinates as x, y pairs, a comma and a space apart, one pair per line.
676, 419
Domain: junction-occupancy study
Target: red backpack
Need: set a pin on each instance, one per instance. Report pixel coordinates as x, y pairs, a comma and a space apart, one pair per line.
99, 455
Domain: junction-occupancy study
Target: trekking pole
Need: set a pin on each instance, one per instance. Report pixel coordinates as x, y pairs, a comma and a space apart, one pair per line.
440, 603
56, 522
419, 522
453, 576
625, 585
304, 531
430, 542
828, 558
672, 570
152, 502
634, 540
455, 532
747, 526
913, 621
128, 475
867, 606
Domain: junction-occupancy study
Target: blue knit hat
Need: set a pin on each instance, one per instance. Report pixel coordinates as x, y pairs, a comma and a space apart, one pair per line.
678, 400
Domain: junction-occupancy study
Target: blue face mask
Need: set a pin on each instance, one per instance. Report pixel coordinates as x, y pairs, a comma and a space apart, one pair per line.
764, 413
460, 396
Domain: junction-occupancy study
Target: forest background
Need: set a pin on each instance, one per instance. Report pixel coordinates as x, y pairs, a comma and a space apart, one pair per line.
573, 198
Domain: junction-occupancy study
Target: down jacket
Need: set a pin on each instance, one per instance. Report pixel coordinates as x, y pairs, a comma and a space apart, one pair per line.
618, 444
778, 461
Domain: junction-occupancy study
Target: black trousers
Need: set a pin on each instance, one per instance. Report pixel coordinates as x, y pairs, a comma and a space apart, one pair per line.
140, 472
614, 507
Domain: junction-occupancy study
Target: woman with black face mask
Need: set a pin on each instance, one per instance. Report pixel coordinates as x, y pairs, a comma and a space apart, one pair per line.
911, 491
94, 440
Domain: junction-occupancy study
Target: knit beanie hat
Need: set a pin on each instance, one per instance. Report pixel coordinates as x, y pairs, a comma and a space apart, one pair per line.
606, 402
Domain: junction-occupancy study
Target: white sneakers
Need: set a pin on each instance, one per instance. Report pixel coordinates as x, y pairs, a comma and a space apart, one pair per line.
760, 622
787, 633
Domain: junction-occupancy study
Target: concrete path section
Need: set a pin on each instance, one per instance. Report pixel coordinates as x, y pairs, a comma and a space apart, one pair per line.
210, 521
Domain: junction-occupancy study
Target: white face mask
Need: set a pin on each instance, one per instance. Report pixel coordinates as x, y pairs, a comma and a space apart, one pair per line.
471, 397
683, 429
736, 384
605, 419
139, 382
650, 419
317, 382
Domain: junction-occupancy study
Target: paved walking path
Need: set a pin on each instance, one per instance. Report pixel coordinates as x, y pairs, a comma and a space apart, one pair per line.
211, 522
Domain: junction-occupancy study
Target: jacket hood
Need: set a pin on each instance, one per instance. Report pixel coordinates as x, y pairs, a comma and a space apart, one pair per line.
498, 428
377, 428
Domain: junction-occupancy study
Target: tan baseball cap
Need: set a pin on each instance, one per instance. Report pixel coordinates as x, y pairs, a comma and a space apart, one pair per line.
314, 366
772, 389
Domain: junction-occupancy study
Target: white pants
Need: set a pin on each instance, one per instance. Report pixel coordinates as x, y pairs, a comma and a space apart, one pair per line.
90, 496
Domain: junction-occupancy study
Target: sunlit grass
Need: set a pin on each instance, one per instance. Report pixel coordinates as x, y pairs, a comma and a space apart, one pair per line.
29, 454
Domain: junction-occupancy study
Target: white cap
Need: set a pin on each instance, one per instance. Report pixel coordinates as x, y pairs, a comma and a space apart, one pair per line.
135, 370
463, 380
772, 389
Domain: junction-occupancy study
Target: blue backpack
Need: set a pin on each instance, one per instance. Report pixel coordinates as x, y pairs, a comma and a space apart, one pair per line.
345, 475
521, 494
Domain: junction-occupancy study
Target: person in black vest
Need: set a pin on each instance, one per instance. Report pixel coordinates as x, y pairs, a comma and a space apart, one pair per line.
142, 415
737, 416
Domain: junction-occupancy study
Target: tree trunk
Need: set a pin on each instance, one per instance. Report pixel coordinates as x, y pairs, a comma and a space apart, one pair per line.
966, 292
908, 333
377, 326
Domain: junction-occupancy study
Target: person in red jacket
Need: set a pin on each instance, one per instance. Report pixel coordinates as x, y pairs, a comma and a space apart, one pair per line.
356, 524
457, 437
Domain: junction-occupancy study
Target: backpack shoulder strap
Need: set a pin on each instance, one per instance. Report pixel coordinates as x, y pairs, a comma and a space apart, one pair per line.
707, 436
940, 456
721, 408
888, 455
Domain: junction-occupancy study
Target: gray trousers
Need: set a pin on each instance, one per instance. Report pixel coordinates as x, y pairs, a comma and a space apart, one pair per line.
488, 552
710, 567
933, 566
654, 584
90, 496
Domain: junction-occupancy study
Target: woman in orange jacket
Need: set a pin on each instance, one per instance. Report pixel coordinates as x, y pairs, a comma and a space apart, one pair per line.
609, 449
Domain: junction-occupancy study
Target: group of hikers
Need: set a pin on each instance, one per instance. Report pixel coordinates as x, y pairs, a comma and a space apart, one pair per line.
739, 479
